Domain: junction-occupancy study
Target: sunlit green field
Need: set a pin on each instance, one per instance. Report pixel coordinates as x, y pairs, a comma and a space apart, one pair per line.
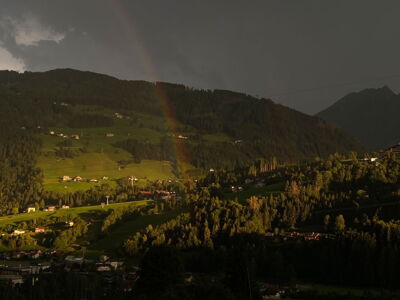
82, 212
96, 154
97, 157
95, 166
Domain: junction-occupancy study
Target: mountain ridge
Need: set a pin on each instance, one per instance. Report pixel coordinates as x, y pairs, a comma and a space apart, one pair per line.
264, 128
370, 115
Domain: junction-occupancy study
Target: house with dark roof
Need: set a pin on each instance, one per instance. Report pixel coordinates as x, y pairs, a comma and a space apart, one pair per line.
394, 149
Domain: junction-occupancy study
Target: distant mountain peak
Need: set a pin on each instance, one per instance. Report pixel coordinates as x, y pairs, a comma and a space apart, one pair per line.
371, 115
364, 95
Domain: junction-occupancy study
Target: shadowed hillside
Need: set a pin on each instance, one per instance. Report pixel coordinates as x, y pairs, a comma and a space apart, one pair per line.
371, 115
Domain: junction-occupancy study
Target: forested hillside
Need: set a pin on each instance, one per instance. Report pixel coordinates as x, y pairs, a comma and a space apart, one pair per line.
332, 222
260, 127
76, 123
371, 115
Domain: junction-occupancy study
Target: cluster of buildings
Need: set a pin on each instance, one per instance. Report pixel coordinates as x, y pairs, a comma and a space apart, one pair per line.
110, 271
120, 116
67, 178
235, 189
300, 236
393, 149
72, 136
104, 264
38, 229
180, 136
18, 273
247, 182
156, 195
32, 209
27, 255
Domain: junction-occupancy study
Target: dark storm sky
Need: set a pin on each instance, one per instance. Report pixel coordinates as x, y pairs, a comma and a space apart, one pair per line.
301, 53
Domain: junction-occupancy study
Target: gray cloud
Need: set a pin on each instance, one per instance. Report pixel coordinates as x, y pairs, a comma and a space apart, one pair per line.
28, 31
10, 62
299, 53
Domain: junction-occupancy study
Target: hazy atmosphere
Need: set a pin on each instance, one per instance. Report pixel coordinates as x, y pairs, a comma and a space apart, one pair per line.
304, 54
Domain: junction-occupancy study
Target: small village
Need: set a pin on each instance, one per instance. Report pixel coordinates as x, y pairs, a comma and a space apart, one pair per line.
38, 263
111, 272
73, 136
67, 178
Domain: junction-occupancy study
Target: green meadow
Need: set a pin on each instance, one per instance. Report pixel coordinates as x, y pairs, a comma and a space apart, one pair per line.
95, 166
84, 212
110, 243
96, 156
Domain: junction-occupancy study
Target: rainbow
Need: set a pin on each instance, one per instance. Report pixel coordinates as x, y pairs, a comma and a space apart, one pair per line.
137, 43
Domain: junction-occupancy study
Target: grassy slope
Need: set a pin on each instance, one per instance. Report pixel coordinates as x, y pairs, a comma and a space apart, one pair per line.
112, 242
96, 165
109, 244
83, 212
101, 158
